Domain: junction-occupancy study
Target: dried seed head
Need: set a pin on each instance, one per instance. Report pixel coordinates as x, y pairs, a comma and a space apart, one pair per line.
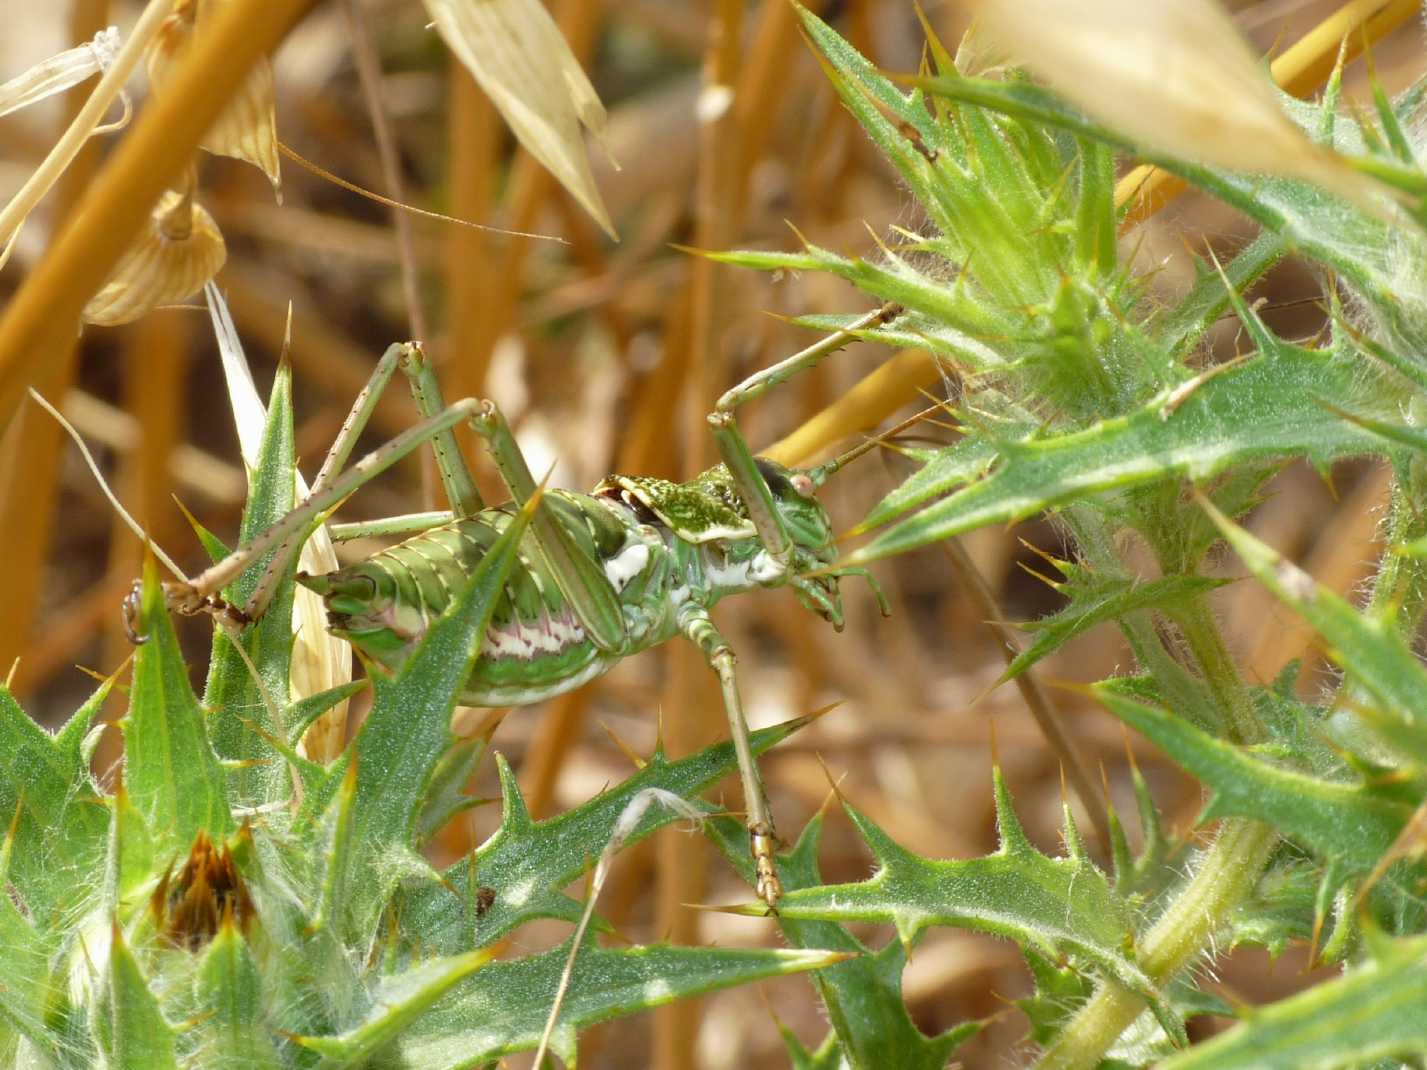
179, 251
1175, 76
247, 128
207, 893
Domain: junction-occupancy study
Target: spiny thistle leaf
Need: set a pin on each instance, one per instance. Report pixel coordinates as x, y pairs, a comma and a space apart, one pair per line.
409, 727
1350, 823
131, 1029
399, 1000
1370, 648
230, 688
827, 1057
172, 773
863, 996
1095, 598
527, 863
1376, 1011
53, 817
229, 989
1055, 906
1284, 388
502, 1009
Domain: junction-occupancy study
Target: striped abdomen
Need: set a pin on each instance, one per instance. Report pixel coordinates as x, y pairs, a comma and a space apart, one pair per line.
534, 646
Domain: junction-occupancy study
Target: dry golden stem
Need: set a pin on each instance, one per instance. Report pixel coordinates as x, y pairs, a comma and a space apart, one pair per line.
861, 409
44, 313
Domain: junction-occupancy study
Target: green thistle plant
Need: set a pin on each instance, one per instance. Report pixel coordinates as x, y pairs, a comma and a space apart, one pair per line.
1077, 394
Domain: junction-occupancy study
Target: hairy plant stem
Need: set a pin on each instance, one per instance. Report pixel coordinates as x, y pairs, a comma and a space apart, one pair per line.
1226, 873
1206, 642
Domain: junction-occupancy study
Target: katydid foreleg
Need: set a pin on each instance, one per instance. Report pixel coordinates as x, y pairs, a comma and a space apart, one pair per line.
752, 487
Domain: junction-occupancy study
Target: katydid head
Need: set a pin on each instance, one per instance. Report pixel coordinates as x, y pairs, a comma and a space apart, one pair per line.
810, 529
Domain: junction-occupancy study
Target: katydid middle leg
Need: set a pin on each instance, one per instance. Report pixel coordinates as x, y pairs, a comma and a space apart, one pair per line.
753, 489
695, 623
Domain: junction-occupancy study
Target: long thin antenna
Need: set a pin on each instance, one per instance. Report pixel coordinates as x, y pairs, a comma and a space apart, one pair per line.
134, 525
821, 473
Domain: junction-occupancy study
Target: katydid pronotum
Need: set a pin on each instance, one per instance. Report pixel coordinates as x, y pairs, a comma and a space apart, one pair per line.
600, 576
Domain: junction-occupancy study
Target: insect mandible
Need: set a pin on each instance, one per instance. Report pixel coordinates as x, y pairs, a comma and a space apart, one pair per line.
599, 576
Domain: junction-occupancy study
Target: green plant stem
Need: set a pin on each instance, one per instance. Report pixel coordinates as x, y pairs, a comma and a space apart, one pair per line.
1226, 873
1196, 623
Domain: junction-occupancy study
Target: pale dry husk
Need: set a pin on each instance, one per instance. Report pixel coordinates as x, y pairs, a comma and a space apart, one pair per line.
516, 53
179, 251
247, 129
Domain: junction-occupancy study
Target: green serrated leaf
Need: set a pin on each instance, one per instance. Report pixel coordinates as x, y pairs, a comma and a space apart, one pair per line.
131, 1029
231, 691
398, 1001
59, 824
1182, 326
1370, 648
526, 863
1284, 389
1054, 906
1376, 1011
1096, 598
172, 774
503, 1008
1349, 823
944, 471
230, 997
827, 1057
863, 996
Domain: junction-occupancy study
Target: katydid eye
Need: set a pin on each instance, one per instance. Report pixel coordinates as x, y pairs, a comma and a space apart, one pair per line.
802, 484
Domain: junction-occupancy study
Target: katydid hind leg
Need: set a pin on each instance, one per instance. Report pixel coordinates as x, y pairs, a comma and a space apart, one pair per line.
696, 624
456, 478
581, 579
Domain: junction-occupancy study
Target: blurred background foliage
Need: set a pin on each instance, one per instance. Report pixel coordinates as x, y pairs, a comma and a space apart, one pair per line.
606, 356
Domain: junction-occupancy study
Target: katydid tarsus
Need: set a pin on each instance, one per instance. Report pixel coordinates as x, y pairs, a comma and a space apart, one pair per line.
600, 576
